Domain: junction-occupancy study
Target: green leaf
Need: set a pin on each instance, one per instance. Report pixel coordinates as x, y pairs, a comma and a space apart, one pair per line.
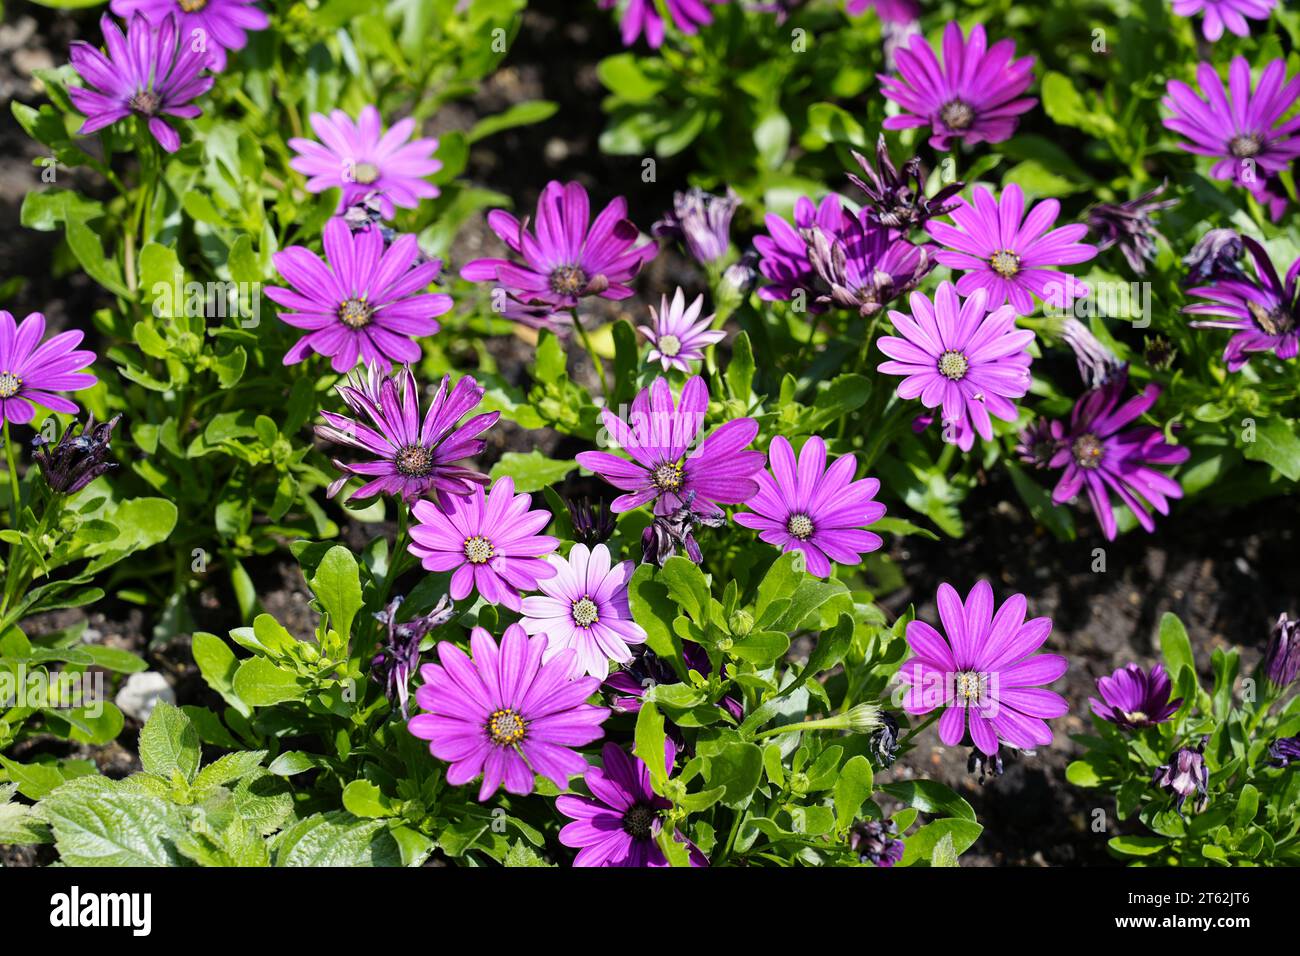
944, 853
852, 787
362, 798
930, 796
650, 743
1137, 845
1276, 444
259, 683
921, 845
96, 825
686, 585
337, 839
531, 471
169, 742
737, 767
521, 114
18, 822
228, 768
337, 584
740, 370
218, 664
1082, 773
1175, 646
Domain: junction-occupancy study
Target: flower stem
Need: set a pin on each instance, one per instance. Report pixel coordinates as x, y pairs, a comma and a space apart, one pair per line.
591, 350
15, 491
934, 715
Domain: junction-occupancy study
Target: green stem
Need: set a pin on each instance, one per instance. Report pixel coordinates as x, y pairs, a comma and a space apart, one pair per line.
934, 715
838, 722
15, 492
591, 350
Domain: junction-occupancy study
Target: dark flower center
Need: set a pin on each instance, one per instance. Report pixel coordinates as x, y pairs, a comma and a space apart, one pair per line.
145, 102
505, 727
585, 612
478, 550
568, 280
800, 526
1005, 263
953, 365
668, 476
957, 115
355, 313
365, 173
1087, 450
1246, 145
639, 821
413, 461
1276, 321
669, 345
9, 384
192, 6
969, 686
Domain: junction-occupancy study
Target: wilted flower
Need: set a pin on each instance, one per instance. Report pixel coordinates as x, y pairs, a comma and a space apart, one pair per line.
783, 252
593, 523
701, 221
1185, 775
986, 765
669, 533
679, 334
399, 654
146, 73
1132, 698
1129, 226
31, 371
897, 200
884, 744
1217, 14
1159, 352
217, 25
874, 841
76, 459
647, 670
1285, 751
1037, 444
1097, 364
1214, 258
1264, 314
1281, 661
866, 266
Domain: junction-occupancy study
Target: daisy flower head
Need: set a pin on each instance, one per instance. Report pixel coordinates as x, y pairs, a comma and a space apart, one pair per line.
145, 73
1133, 698
960, 357
569, 256
505, 713
806, 506
866, 265
984, 672
489, 542
360, 158
584, 607
890, 11
1218, 14
214, 25
678, 335
665, 468
31, 371
975, 94
1009, 254
783, 251
643, 17
362, 302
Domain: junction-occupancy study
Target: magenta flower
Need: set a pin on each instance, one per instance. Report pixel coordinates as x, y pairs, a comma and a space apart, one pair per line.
619, 824
361, 159
866, 265
958, 356
569, 256
1097, 455
1008, 252
642, 16
814, 509
584, 607
1217, 14
974, 95
984, 672
679, 336
1244, 130
217, 25
506, 714
362, 302
1264, 314
784, 258
489, 541
1132, 698
891, 11
409, 457
144, 73
659, 436
31, 371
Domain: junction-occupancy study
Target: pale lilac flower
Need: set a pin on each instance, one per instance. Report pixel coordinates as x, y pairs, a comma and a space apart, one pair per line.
31, 371
679, 335
701, 221
1217, 14
217, 25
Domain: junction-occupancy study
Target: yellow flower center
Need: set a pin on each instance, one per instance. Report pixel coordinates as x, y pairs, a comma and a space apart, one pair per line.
365, 173
668, 476
1005, 263
1087, 451
585, 612
355, 313
568, 280
9, 384
953, 365
800, 526
957, 115
413, 461
192, 6
970, 686
505, 727
478, 550
669, 345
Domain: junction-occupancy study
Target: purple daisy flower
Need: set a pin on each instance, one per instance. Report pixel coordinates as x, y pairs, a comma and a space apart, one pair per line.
31, 371
974, 95
359, 158
958, 356
679, 336
569, 256
144, 73
1186, 775
1242, 127
489, 541
1284, 751
619, 824
362, 302
1133, 699
1008, 252
1096, 454
658, 437
701, 222
784, 258
409, 457
1264, 314
1281, 660
814, 509
217, 25
866, 265
876, 842
891, 11
584, 607
642, 16
984, 672
506, 714
1217, 14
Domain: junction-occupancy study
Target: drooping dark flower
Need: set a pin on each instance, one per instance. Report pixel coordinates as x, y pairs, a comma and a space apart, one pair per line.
985, 765
1037, 444
1129, 226
1097, 364
701, 221
1285, 751
669, 533
896, 199
1281, 661
647, 669
866, 266
593, 522
1132, 698
76, 459
884, 743
1185, 775
399, 654
1159, 352
875, 842
1214, 258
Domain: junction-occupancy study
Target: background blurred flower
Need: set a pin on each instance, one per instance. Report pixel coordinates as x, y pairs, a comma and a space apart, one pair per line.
214, 25
643, 17
1217, 14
